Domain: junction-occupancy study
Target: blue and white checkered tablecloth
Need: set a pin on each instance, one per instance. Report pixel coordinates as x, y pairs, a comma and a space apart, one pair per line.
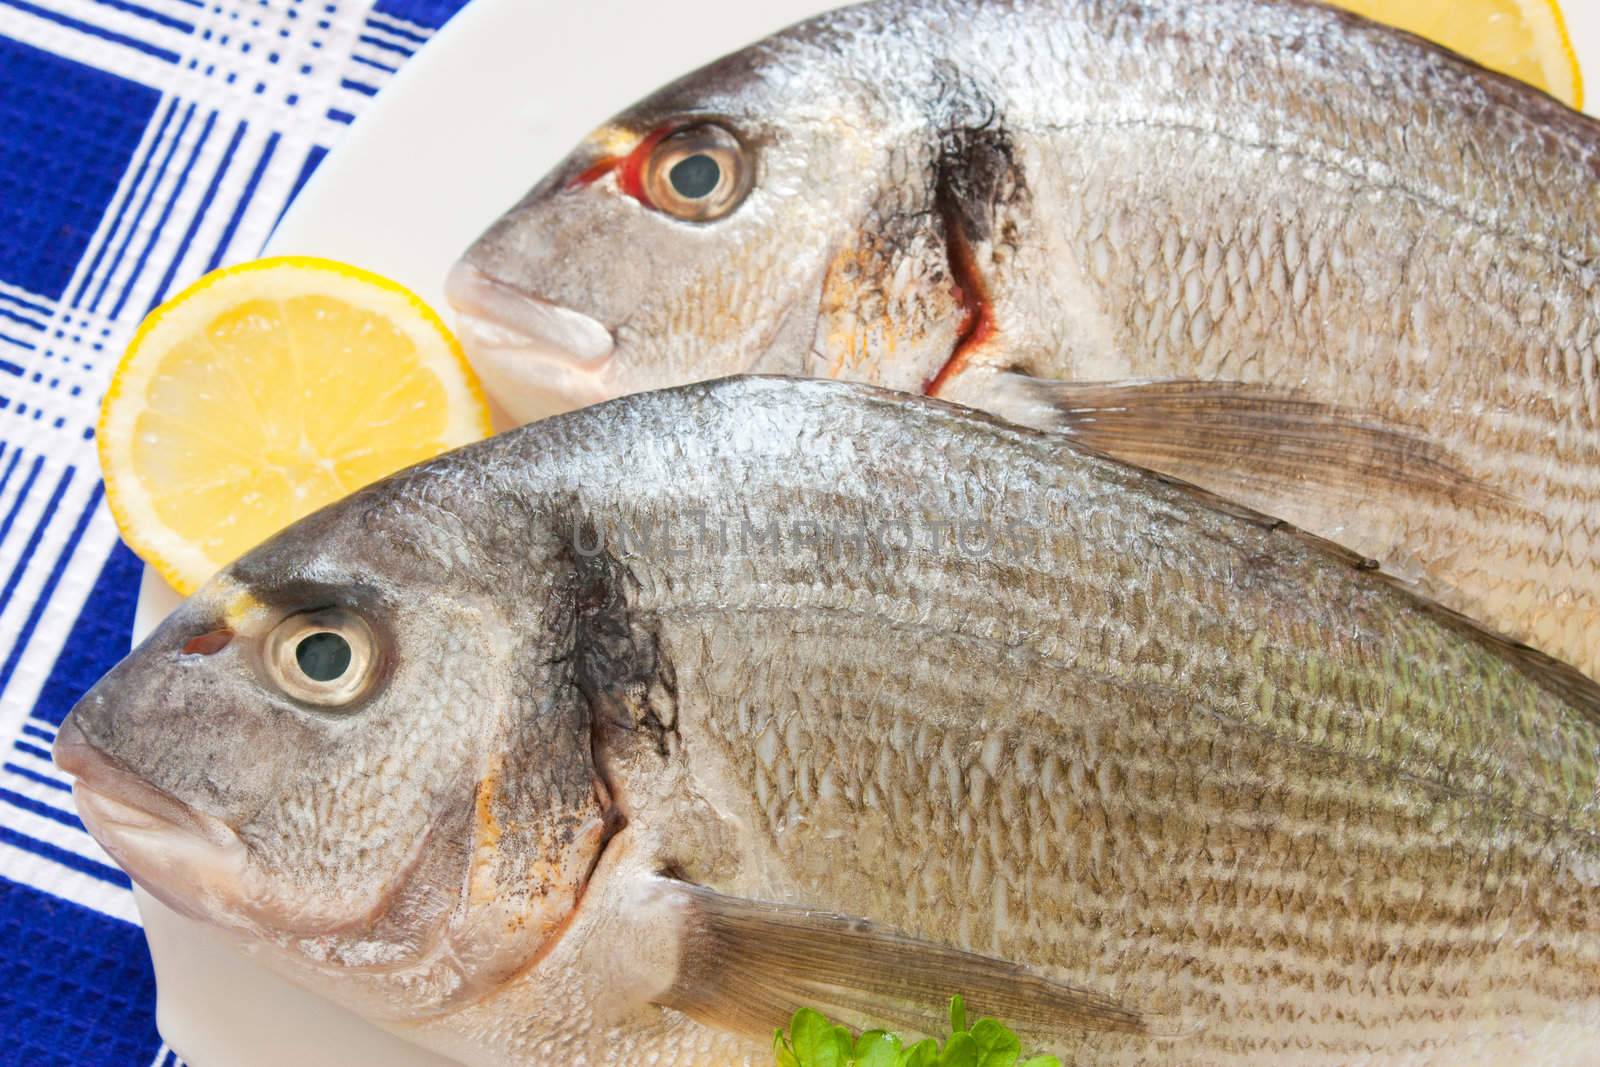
142, 143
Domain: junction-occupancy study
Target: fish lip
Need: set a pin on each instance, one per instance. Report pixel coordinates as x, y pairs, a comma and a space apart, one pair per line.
133, 819
537, 358
100, 774
561, 330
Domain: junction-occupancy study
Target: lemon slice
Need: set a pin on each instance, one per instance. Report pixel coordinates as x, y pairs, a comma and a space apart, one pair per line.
266, 390
1526, 39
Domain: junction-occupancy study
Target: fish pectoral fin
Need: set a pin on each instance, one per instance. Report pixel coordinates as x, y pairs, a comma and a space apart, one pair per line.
747, 966
1230, 437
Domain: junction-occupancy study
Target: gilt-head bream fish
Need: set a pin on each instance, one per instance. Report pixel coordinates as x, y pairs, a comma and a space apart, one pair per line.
1313, 264
617, 738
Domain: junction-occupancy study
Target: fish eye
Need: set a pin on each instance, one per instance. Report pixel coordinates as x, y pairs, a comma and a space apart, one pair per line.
697, 174
323, 657
695, 177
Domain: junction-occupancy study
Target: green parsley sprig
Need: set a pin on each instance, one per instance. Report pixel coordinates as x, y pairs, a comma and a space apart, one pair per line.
813, 1041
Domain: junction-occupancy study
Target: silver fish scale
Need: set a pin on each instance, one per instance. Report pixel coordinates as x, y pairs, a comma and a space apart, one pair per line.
1154, 861
1181, 758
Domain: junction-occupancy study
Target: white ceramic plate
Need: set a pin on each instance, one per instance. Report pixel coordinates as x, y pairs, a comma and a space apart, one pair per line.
486, 108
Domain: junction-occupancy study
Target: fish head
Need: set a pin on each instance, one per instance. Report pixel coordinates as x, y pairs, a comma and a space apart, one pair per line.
703, 232
344, 748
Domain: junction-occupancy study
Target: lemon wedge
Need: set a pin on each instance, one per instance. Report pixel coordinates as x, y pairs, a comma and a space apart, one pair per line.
1526, 39
265, 391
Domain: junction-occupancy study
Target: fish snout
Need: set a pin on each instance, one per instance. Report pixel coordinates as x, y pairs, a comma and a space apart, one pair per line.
72, 751
188, 860
118, 797
536, 358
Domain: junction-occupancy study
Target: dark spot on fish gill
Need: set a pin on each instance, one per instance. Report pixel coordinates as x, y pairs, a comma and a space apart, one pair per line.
618, 668
975, 176
208, 644
619, 665
977, 319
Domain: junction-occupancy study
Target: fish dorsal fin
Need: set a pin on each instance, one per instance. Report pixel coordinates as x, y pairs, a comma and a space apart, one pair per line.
1192, 434
1236, 435
748, 965
1233, 436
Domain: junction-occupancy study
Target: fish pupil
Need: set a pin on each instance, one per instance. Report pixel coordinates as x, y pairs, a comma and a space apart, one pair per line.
323, 656
695, 177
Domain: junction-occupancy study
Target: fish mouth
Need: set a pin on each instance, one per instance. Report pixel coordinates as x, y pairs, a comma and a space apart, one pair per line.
536, 358
191, 862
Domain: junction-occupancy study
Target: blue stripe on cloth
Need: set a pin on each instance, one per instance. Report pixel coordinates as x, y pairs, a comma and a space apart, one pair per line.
144, 206
25, 304
199, 216
244, 202
38, 731
70, 860
122, 209
52, 580
12, 315
165, 54
399, 28
41, 809
145, 13
166, 212
5, 479
388, 46
360, 87
32, 750
32, 545
363, 60
99, 637
22, 495
307, 167
36, 777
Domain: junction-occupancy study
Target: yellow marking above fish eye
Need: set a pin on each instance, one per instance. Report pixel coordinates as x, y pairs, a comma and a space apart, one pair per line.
240, 606
612, 140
